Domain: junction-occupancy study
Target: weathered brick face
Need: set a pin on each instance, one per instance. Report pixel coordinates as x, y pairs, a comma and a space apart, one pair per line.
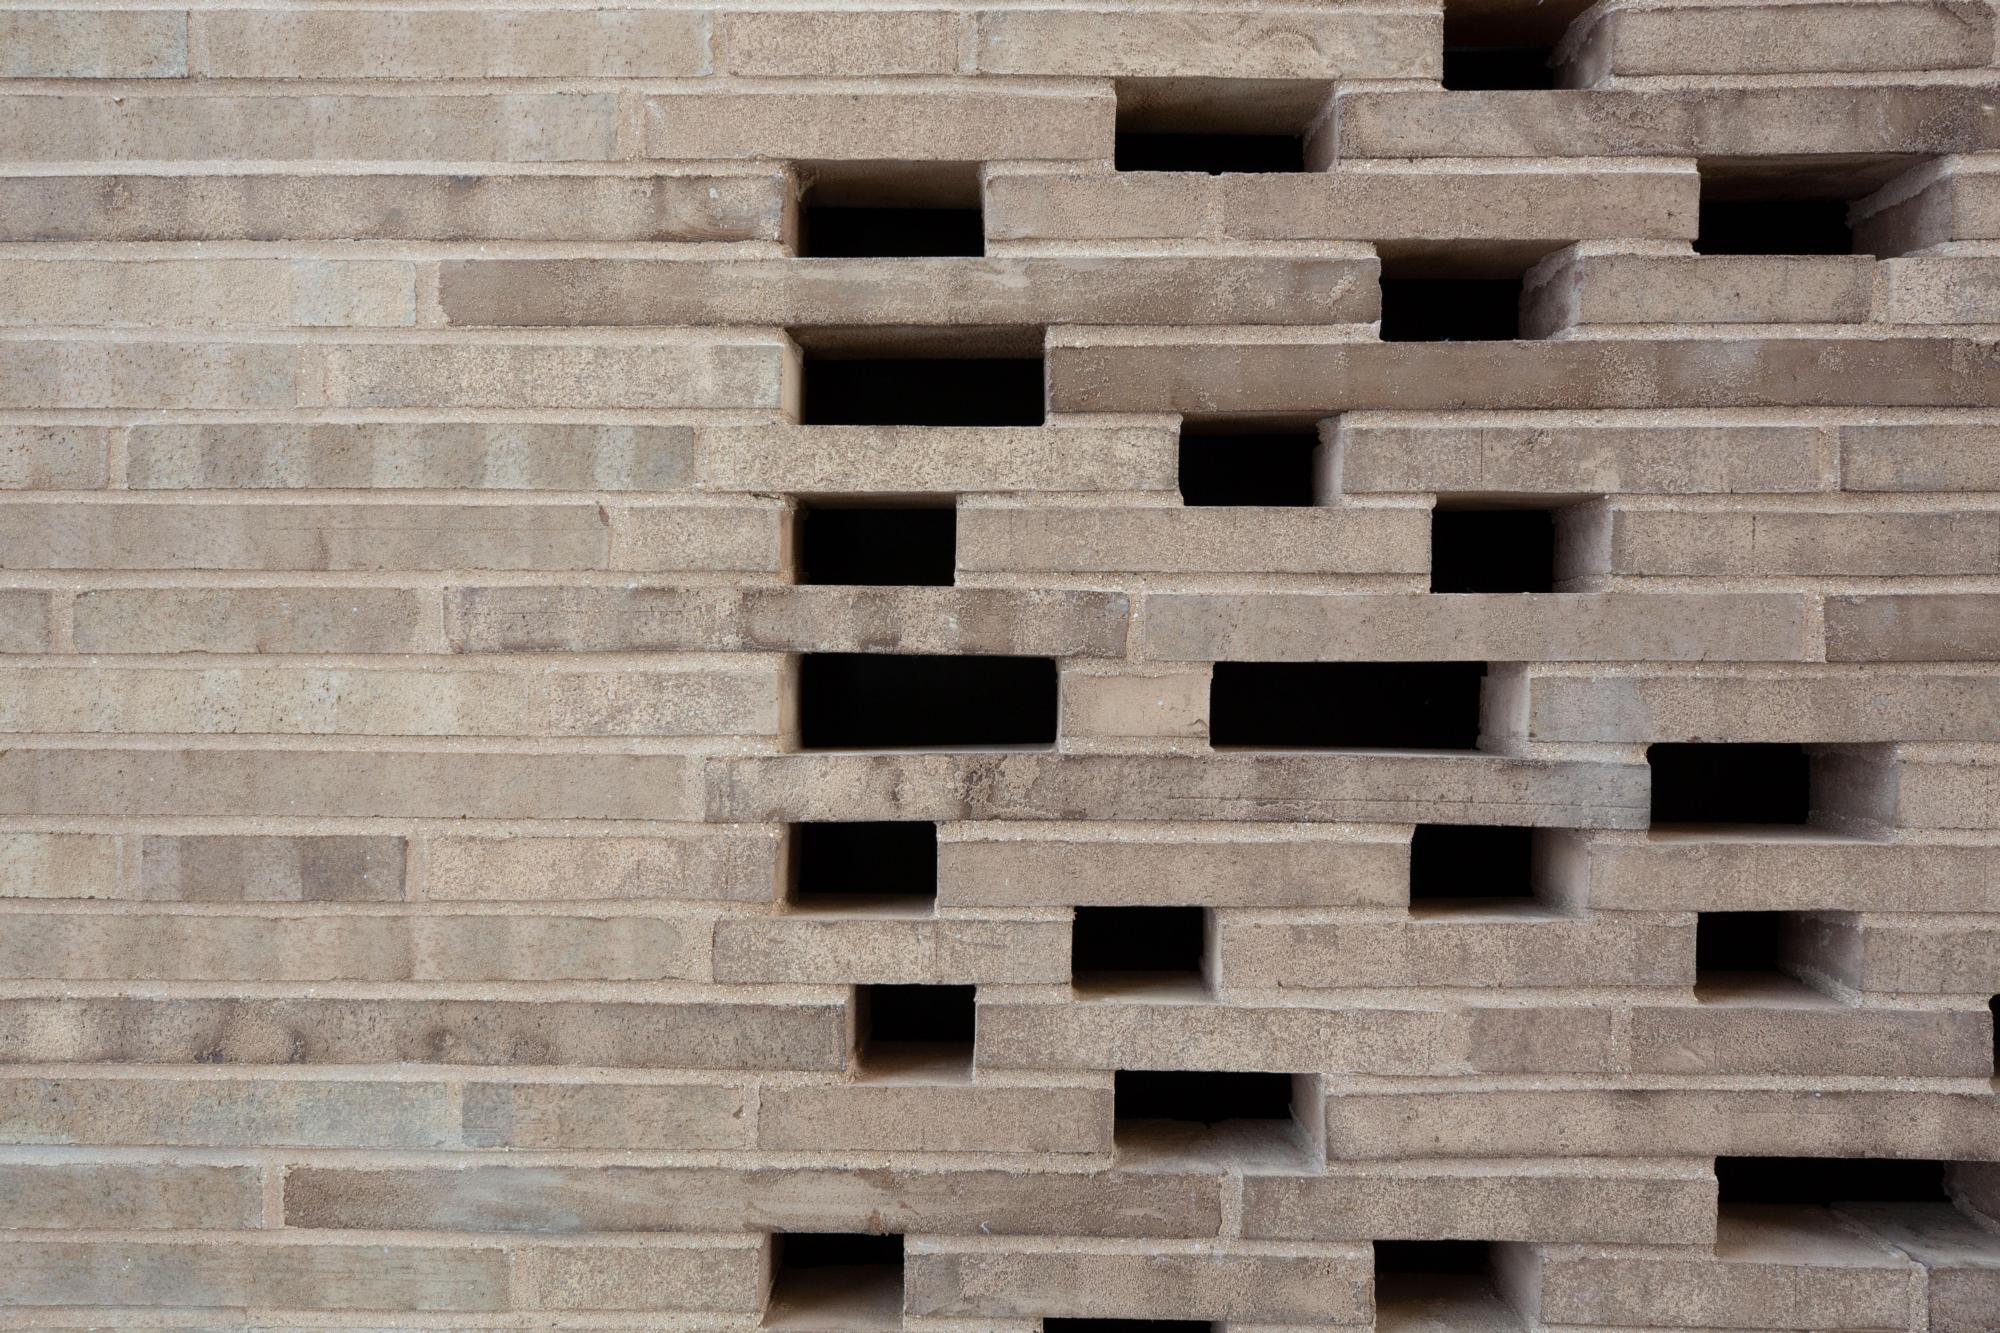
1242, 665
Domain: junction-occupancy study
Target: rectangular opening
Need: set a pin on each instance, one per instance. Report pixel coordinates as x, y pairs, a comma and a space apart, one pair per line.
1450, 309
1215, 1117
864, 865
890, 210
1468, 867
1221, 465
1821, 1180
1447, 1281
900, 386
1215, 126
1709, 783
842, 1280
878, 545
1472, 67
914, 1029
1773, 227
1492, 550
1127, 948
1212, 154
1345, 705
881, 701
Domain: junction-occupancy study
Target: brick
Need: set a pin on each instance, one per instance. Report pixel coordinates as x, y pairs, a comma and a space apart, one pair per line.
1595, 289
461, 44
491, 204
654, 1117
53, 458
690, 863
1499, 947
1939, 290
1649, 37
836, 459
394, 455
945, 1201
794, 950
358, 782
1912, 627
209, 293
822, 619
352, 947
1307, 788
725, 1273
947, 122
1230, 1279
1135, 865
1754, 1035
1645, 542
1823, 704
677, 701
1404, 627
146, 372
1173, 541
63, 1196
248, 868
1595, 1202
24, 621
1961, 456
254, 620
1961, 1268
989, 1119
311, 1275
1779, 872
1382, 43
692, 1034
753, 539
94, 44
1907, 953
999, 290
183, 1111
877, 43
1577, 454
300, 126
58, 865
733, 371
1154, 704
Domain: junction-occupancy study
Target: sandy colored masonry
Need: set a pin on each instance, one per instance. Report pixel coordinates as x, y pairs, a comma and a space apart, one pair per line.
1457, 544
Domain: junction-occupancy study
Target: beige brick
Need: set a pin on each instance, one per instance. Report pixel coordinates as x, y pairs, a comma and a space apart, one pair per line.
1282, 371
491, 204
691, 1034
1135, 865
722, 1273
925, 1201
1179, 540
64, 1196
208, 293
992, 291
93, 44
277, 124
913, 122
1381, 43
1686, 1117
1777, 872
1908, 954
1659, 543
1757, 120
655, 1116
1407, 203
1642, 37
1743, 1035
1821, 705
1492, 947
254, 620
1595, 289
53, 458
753, 539
393, 455
179, 1110
24, 621
822, 619
1913, 627
1312, 788
146, 372
1959, 456
725, 371
1638, 1202
239, 535
58, 865
248, 868
1961, 1278
1574, 454
808, 951
436, 783
310, 1275
829, 42
449, 44
1940, 290
891, 459
738, 698
936, 1118
351, 947
1589, 627
1232, 1279
738, 865
1153, 703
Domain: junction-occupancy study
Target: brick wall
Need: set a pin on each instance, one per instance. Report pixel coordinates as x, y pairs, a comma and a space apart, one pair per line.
1235, 664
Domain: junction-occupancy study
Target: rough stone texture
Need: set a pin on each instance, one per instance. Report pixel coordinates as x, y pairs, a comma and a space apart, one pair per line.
446, 506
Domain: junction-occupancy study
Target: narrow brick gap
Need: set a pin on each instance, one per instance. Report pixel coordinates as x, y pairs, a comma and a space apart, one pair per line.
1215, 127
1753, 784
1345, 705
1216, 1119
1461, 868
1152, 950
1440, 1278
1487, 548
905, 382
890, 210
876, 544
863, 867
902, 701
847, 1280
915, 1031
1246, 464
